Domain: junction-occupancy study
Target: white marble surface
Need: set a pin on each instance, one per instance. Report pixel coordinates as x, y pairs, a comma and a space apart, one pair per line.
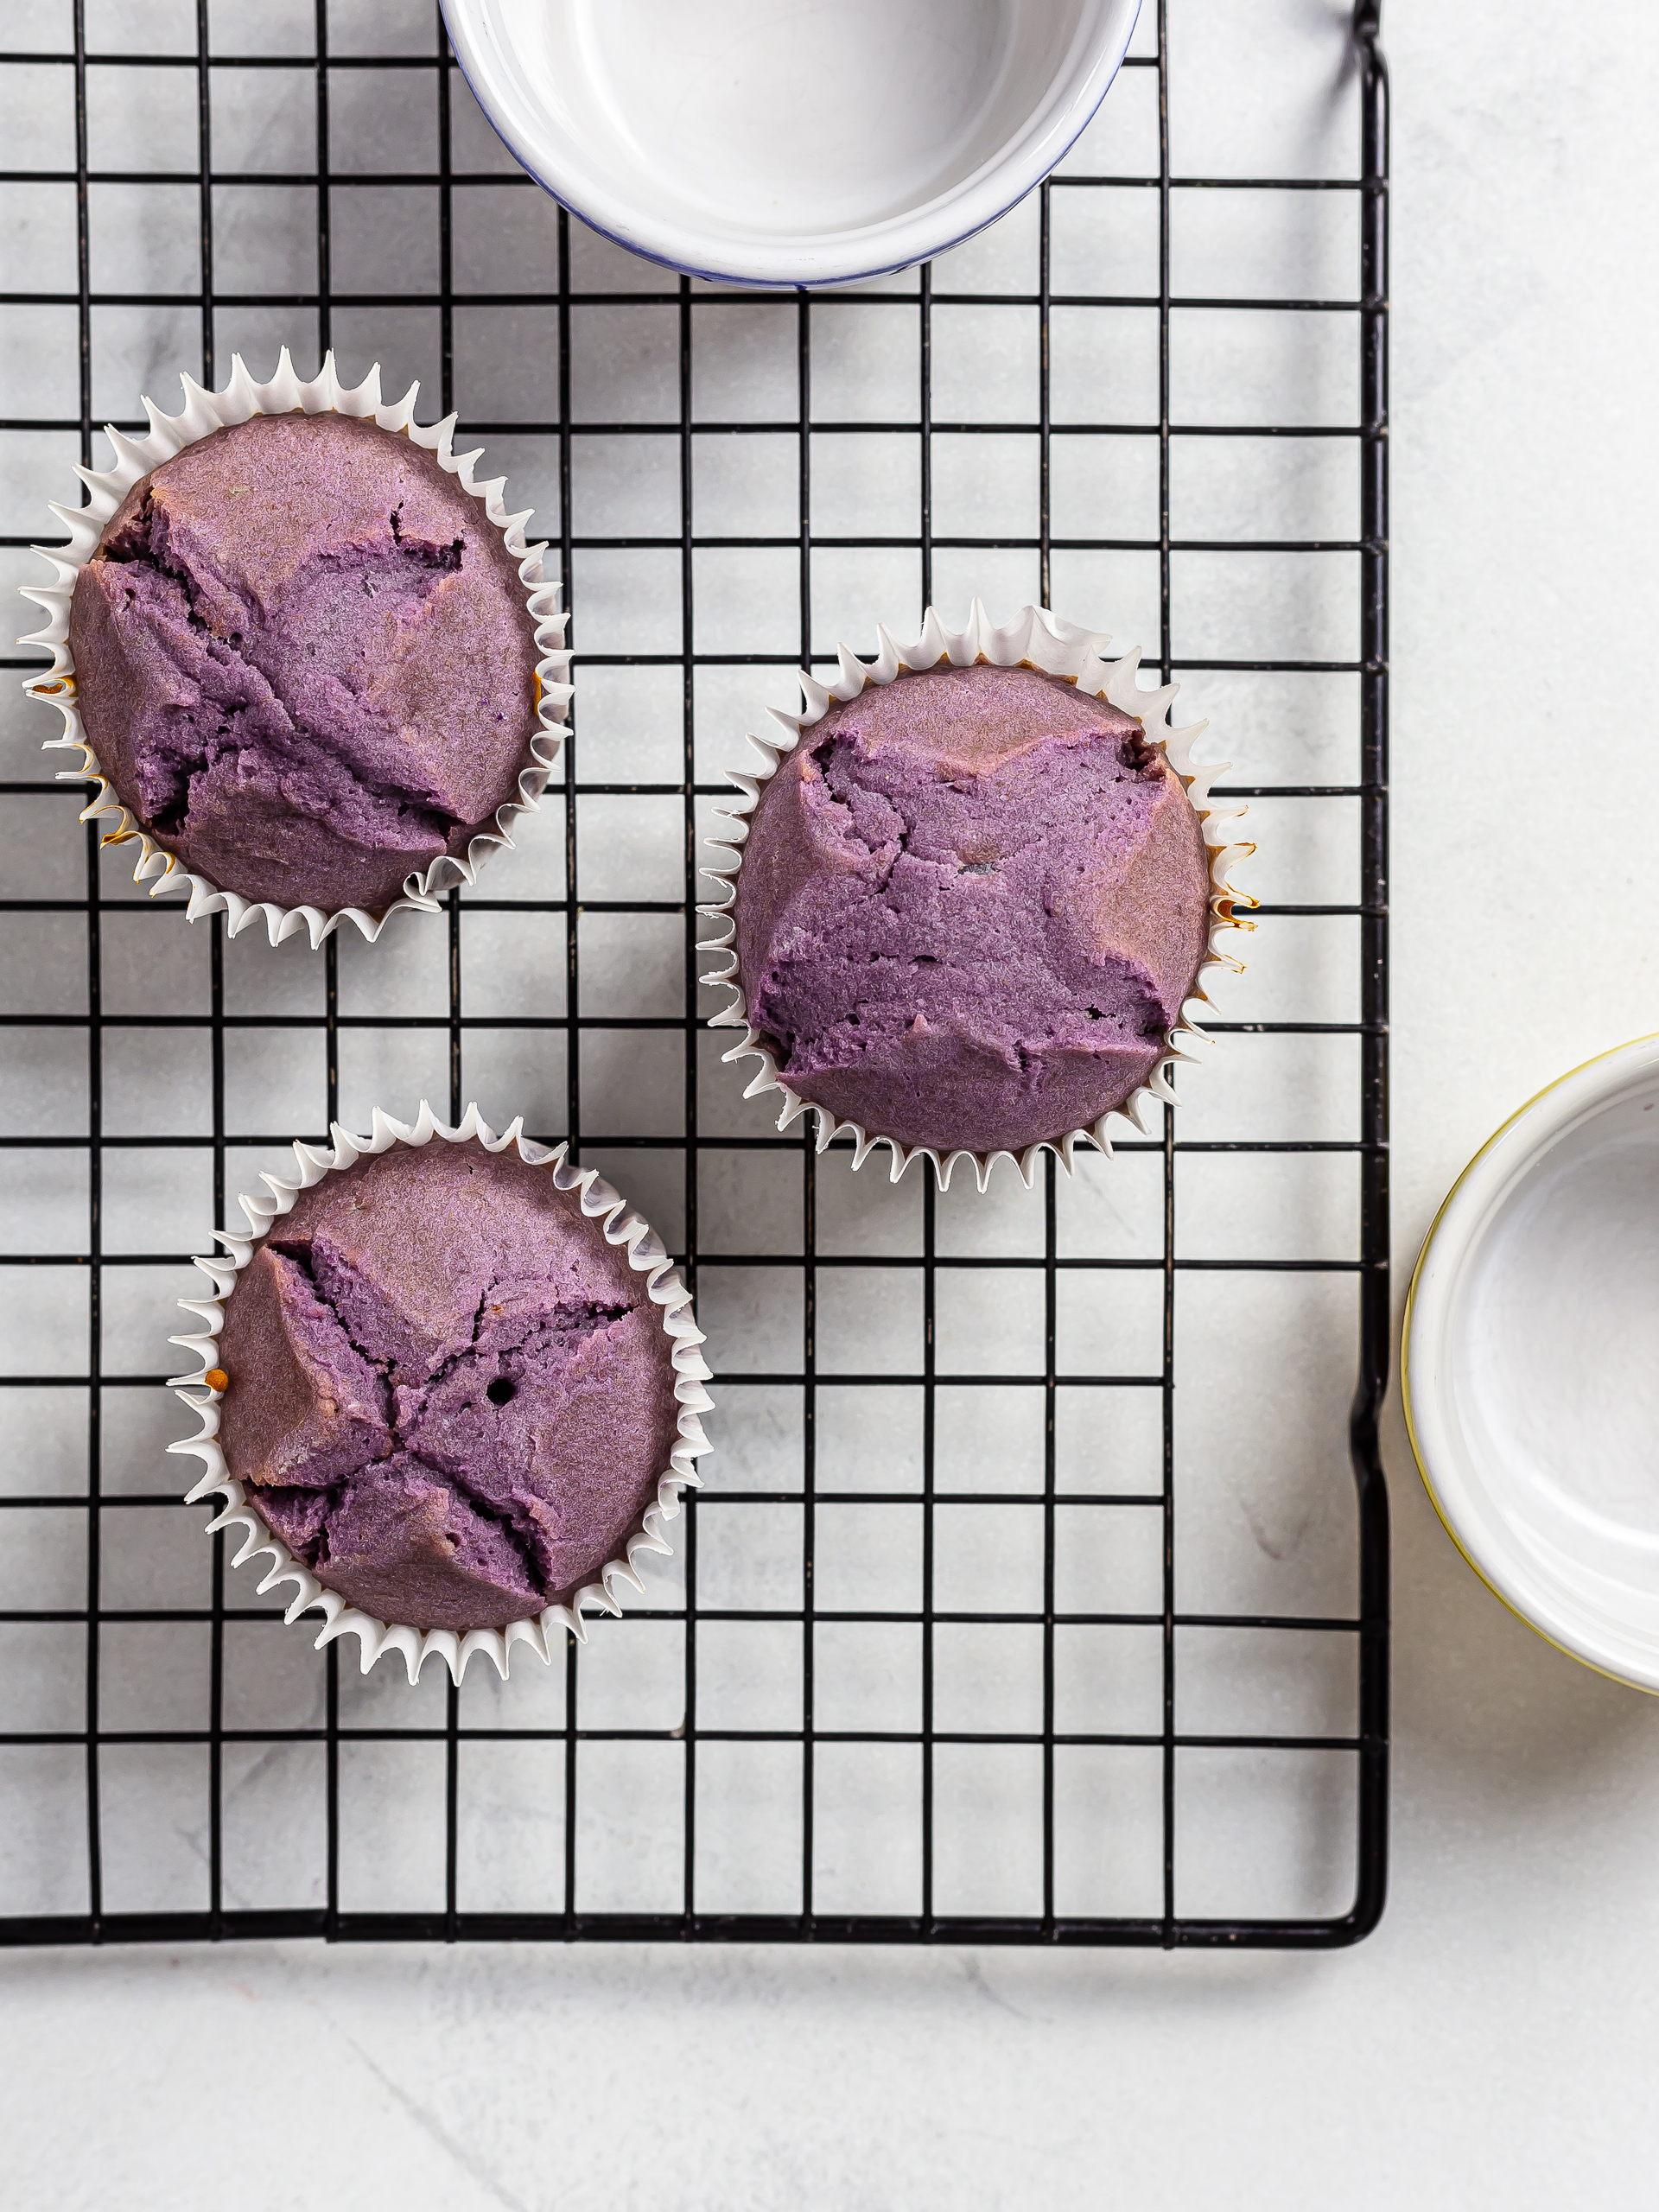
1489, 2043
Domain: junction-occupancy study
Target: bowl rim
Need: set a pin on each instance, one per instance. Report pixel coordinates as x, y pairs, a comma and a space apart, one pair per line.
1430, 1302
828, 257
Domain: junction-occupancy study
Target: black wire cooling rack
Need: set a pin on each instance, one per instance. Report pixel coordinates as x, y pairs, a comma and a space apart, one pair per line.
157, 1787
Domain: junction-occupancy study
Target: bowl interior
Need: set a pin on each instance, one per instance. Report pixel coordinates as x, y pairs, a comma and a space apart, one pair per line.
1542, 1370
757, 124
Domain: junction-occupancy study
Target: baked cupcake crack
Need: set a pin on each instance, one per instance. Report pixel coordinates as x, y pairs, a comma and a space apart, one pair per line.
315, 680
441, 1428
970, 907
453, 1399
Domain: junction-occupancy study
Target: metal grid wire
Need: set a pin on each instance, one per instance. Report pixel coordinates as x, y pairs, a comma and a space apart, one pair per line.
523, 1821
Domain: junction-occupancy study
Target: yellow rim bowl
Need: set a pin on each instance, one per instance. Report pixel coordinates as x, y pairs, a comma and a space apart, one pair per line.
1530, 1362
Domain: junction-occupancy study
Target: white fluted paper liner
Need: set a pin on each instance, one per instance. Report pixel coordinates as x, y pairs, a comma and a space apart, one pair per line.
1036, 639
375, 1638
204, 412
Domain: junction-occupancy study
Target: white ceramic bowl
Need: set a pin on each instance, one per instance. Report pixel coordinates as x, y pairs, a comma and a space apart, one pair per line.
1531, 1362
774, 142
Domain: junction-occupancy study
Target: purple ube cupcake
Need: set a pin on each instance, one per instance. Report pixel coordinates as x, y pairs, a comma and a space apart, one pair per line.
445, 1391
304, 659
971, 903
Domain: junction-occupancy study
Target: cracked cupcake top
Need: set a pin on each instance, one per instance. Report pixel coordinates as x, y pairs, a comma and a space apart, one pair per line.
970, 904
447, 1394
303, 658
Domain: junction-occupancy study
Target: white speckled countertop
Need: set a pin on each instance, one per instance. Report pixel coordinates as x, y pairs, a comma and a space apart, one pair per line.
1489, 2043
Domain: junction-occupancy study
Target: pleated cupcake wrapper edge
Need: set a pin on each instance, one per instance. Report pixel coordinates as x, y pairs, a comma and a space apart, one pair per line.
621, 1226
204, 412
1034, 639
